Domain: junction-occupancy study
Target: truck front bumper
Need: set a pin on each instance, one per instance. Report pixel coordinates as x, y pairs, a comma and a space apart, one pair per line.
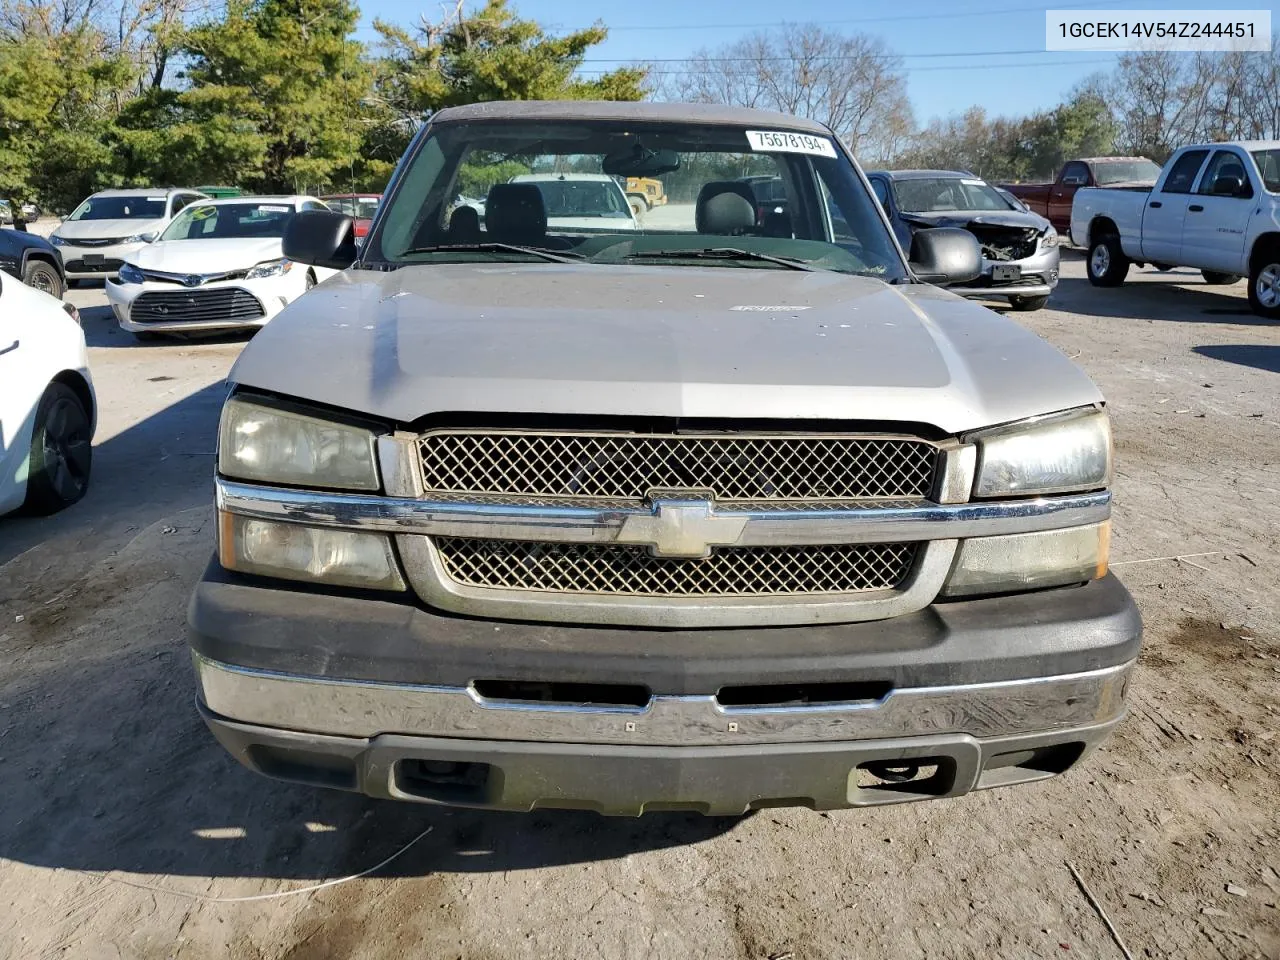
384, 697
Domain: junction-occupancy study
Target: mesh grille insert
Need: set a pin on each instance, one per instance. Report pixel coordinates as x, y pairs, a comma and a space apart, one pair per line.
633, 571
734, 467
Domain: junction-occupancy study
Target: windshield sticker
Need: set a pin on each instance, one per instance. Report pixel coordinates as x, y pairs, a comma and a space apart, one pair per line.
155, 199
973, 183
780, 141
202, 213
761, 308
266, 209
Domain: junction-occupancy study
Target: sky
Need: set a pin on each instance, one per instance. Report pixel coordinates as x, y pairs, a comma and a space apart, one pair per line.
957, 53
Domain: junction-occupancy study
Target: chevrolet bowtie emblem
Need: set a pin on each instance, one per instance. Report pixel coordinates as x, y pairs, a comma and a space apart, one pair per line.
681, 528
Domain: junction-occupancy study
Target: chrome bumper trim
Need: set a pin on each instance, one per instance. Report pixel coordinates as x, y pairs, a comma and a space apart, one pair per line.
870, 524
354, 708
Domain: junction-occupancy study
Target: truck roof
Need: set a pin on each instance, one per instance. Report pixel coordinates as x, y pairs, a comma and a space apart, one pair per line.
1242, 144
540, 110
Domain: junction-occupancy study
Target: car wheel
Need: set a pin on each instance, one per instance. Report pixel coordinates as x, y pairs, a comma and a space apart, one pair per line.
61, 451
1264, 285
44, 277
638, 203
1028, 303
1217, 279
1107, 264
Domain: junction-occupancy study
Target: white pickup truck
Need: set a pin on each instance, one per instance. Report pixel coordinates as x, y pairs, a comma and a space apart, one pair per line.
1216, 207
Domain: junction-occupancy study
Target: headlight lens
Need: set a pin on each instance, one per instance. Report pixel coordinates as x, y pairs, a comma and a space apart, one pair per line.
141, 237
131, 274
268, 445
1049, 239
1029, 561
1059, 454
272, 268
346, 558
57, 241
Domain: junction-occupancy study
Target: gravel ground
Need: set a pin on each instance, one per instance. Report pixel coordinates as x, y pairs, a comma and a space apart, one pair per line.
122, 823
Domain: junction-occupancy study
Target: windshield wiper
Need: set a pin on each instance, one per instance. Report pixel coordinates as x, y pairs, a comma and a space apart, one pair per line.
722, 253
560, 257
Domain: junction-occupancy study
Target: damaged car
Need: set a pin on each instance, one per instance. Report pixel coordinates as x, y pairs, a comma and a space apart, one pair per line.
1019, 248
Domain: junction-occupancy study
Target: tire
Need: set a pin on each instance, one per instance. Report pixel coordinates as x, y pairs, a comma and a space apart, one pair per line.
638, 203
1106, 264
61, 451
43, 276
1217, 279
1264, 284
1027, 304
1163, 267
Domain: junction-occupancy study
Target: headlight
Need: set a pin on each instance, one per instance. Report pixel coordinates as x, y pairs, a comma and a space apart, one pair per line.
57, 241
131, 274
1059, 454
141, 237
1050, 238
279, 446
1029, 561
346, 558
272, 268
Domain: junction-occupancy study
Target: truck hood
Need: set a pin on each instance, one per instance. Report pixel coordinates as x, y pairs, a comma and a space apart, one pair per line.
980, 218
207, 256
653, 341
107, 229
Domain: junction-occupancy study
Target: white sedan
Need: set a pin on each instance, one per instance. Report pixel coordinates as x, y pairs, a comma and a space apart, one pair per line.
582, 202
218, 266
47, 404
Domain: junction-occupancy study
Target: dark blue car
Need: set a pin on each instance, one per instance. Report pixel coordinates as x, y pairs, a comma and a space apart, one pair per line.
33, 260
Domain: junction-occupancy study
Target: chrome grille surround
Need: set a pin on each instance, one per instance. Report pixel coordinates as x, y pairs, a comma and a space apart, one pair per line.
618, 570
731, 467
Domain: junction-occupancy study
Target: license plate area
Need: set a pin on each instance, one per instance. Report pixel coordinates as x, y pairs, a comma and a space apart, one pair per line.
93, 259
1006, 273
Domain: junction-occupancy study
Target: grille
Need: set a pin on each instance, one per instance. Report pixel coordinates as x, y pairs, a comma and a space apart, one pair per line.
227, 303
633, 571
98, 266
96, 243
734, 467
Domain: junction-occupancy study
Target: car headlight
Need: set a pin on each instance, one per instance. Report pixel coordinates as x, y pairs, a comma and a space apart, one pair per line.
1049, 238
1058, 454
57, 241
131, 274
141, 237
345, 558
270, 445
1029, 561
272, 268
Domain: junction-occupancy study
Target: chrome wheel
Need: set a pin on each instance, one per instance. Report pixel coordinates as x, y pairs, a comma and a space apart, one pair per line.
1267, 286
1100, 260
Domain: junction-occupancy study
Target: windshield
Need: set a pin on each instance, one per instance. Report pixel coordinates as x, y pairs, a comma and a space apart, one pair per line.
567, 199
120, 208
217, 221
1268, 162
1126, 171
362, 208
944, 194
554, 186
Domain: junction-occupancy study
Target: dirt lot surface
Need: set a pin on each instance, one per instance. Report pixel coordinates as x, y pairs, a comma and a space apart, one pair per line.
110, 786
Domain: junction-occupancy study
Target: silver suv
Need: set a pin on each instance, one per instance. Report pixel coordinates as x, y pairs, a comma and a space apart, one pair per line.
733, 510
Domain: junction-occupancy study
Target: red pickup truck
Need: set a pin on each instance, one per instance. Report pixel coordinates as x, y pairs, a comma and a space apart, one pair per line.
1053, 200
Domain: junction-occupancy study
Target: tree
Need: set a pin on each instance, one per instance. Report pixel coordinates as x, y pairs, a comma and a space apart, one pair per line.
852, 83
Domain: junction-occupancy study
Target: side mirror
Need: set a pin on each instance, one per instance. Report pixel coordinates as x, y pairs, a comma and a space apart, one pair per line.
1227, 186
321, 238
945, 255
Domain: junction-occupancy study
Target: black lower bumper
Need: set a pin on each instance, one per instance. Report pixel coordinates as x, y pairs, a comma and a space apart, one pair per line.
295, 630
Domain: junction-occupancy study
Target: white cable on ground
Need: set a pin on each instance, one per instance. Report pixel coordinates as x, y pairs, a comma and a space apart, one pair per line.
271, 896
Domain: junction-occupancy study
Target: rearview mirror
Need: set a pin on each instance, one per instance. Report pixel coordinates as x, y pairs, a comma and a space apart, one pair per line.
639, 161
321, 238
945, 255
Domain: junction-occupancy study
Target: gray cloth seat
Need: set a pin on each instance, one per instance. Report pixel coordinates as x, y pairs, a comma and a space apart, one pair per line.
464, 225
725, 207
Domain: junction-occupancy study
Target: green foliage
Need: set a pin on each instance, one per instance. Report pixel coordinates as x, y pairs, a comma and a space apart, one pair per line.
475, 179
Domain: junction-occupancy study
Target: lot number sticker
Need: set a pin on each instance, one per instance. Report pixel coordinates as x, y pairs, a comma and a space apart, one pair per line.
779, 141
784, 142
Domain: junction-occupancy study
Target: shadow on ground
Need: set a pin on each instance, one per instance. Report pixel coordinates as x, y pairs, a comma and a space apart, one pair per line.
1178, 300
1259, 355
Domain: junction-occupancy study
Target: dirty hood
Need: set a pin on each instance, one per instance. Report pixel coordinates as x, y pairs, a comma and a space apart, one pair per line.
650, 341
